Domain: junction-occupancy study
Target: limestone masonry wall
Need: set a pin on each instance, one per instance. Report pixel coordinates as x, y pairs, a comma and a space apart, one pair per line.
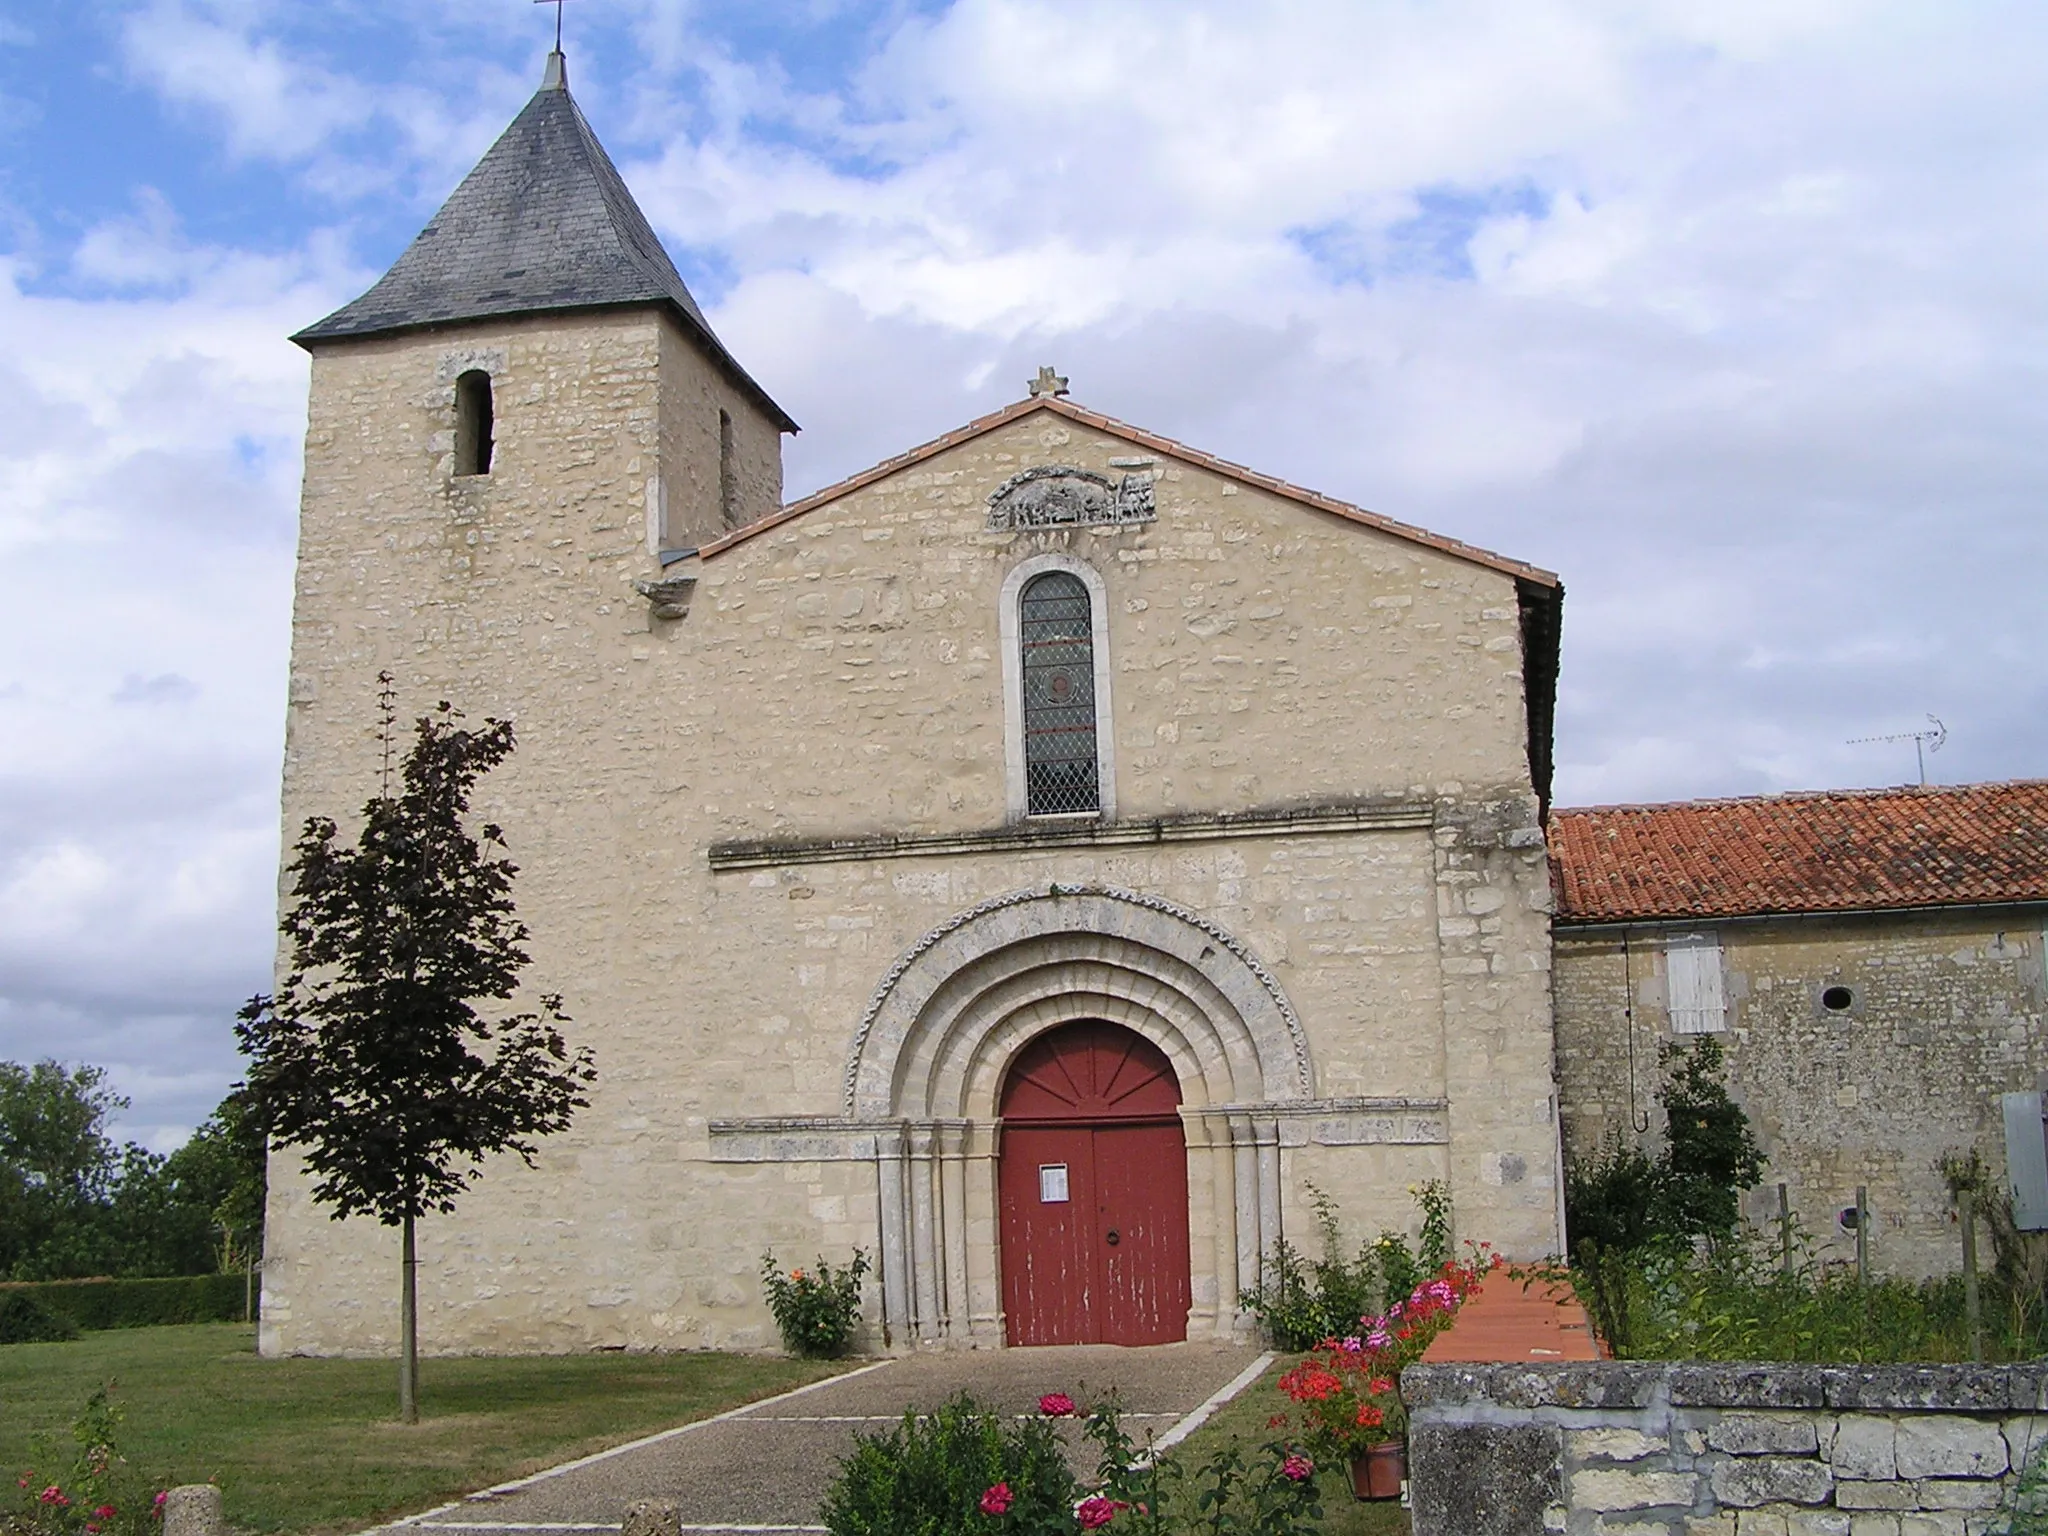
1636, 1449
840, 675
1947, 1014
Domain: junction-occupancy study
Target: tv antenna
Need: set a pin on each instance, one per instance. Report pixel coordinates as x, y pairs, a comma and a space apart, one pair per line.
1924, 742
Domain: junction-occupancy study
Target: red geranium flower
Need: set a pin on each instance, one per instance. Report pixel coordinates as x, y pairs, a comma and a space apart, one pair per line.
997, 1500
104, 1512
1370, 1417
1055, 1405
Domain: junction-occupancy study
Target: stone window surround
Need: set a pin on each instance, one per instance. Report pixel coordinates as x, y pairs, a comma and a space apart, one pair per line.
1011, 636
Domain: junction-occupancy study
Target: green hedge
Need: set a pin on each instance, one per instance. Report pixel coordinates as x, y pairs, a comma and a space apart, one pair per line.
139, 1303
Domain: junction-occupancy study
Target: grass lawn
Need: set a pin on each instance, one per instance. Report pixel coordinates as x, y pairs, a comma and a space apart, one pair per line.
309, 1445
1243, 1420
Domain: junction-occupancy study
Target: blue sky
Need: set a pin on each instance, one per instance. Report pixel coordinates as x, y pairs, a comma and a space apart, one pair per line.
1737, 316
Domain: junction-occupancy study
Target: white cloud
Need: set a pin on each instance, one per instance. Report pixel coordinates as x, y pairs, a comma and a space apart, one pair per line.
1731, 314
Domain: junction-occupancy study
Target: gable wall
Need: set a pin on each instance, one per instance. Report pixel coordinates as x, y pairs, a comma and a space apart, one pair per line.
1265, 654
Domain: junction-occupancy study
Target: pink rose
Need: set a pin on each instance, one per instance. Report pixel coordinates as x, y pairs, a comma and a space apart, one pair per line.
1094, 1513
997, 1500
1055, 1405
1297, 1468
55, 1496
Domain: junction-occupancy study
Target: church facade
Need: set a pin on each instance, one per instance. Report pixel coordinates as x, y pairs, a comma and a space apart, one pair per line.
1039, 861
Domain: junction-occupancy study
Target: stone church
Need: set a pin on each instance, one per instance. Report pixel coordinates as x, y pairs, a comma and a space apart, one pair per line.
1036, 861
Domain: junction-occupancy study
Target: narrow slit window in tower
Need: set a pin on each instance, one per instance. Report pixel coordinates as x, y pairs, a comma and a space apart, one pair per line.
1057, 633
473, 441
728, 474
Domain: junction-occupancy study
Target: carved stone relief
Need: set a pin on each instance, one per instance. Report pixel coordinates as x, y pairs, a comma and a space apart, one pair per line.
1062, 496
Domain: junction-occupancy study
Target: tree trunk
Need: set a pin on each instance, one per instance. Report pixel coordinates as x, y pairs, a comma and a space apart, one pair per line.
409, 1333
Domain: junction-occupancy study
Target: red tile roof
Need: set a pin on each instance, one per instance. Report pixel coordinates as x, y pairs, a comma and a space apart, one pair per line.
1835, 851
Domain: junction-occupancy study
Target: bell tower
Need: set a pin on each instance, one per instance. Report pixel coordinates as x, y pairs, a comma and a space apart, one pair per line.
508, 437
543, 235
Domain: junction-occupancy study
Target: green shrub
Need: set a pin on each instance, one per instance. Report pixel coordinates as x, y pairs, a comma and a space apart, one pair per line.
96, 1304
816, 1309
1302, 1301
963, 1469
928, 1476
1738, 1302
1621, 1198
24, 1320
2025, 1511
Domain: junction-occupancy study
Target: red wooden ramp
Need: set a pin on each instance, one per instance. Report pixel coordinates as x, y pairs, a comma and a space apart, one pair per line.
1511, 1320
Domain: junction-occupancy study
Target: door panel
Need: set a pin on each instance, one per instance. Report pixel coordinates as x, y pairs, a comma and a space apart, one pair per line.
1141, 1174
1109, 1264
1050, 1283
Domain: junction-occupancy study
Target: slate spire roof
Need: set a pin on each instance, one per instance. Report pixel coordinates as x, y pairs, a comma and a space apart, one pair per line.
543, 223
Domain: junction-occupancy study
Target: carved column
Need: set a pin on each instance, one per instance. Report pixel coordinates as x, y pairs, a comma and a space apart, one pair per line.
1244, 1175
985, 1255
955, 1314
891, 1187
924, 1233
1272, 1225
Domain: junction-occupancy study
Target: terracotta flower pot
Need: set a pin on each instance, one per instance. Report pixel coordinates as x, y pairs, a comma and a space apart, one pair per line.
1378, 1471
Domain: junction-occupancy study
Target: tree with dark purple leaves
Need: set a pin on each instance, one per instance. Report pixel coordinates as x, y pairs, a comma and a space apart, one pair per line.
374, 1058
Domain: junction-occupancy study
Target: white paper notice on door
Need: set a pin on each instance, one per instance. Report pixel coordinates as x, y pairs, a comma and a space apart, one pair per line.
1052, 1183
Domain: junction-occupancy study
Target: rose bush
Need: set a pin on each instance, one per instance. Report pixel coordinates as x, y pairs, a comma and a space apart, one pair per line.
100, 1494
963, 1469
816, 1310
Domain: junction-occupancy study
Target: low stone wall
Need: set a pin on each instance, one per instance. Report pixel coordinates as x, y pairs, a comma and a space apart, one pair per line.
1632, 1448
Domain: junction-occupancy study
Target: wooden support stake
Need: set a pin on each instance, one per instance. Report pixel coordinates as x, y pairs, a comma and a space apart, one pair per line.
1966, 1203
1785, 1226
1862, 1235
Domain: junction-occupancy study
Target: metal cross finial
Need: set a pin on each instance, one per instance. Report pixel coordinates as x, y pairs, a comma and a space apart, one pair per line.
1048, 384
557, 4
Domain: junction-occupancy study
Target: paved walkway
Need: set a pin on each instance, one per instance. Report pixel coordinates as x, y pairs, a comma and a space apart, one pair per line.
766, 1467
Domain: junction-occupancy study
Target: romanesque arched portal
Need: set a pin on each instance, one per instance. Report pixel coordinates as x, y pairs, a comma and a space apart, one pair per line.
931, 1054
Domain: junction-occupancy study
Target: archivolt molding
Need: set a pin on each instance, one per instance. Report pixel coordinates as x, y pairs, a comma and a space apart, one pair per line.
1214, 1011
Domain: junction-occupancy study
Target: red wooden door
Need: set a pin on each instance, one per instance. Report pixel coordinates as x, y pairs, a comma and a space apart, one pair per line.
1092, 1181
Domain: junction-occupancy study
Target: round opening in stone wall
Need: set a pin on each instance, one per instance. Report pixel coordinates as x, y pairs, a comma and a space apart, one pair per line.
1837, 999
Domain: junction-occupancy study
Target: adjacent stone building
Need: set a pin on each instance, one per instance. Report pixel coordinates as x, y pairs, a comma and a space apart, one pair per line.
1873, 961
1033, 860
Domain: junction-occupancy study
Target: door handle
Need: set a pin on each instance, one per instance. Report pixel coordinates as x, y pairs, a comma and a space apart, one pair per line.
1113, 1239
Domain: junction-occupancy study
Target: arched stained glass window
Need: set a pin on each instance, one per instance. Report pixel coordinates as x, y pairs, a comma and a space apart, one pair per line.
1057, 634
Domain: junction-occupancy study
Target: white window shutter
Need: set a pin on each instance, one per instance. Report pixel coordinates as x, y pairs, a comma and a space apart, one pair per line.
2026, 1160
1692, 980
